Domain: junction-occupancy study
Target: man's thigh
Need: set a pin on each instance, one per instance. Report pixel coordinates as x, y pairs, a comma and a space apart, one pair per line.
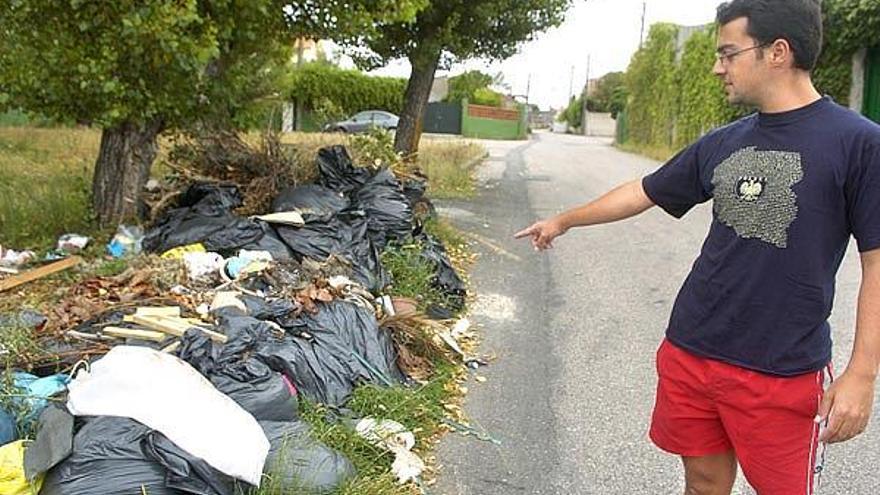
770, 422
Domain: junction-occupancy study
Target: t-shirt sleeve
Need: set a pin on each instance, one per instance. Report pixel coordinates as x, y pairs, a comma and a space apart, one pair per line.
677, 186
863, 196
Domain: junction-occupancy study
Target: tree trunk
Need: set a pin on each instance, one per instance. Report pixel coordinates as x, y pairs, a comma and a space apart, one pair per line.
122, 169
418, 89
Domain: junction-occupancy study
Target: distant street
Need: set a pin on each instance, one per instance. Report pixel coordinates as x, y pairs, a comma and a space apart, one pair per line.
575, 331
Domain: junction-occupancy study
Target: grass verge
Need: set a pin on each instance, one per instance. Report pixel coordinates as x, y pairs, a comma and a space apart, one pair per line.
46, 173
659, 153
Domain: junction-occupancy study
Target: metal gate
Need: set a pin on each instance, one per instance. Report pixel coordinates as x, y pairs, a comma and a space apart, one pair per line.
443, 118
871, 105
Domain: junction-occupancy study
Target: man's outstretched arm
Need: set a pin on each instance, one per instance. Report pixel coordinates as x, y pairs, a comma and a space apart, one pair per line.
621, 202
848, 402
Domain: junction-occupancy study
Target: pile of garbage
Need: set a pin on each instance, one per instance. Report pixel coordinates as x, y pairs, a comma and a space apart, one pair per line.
192, 384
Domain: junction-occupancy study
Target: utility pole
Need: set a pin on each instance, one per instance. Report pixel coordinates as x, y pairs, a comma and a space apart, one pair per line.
642, 30
528, 87
585, 115
571, 84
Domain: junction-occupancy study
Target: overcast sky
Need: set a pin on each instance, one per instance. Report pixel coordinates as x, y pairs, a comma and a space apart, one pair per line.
605, 30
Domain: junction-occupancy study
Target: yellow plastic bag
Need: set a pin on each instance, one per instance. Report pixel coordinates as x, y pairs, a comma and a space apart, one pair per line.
178, 252
12, 478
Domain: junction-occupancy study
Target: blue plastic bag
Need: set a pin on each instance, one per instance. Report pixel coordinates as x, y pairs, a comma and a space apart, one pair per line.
37, 390
8, 428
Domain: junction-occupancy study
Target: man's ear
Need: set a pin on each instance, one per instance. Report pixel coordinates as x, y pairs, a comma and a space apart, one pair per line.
780, 54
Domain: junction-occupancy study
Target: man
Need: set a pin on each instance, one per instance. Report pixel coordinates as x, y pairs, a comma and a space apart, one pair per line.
748, 346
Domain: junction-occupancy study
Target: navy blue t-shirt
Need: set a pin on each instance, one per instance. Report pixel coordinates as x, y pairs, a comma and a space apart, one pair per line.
788, 190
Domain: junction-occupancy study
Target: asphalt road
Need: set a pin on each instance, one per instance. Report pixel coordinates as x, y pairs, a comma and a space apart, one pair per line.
575, 331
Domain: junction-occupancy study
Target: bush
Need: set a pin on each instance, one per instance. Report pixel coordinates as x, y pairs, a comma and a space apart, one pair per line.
323, 87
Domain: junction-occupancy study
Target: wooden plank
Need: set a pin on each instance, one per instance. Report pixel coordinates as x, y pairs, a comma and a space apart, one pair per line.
134, 333
171, 347
37, 273
173, 326
158, 311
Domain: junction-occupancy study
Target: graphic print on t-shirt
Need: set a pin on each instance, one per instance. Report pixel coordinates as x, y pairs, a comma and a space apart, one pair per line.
753, 193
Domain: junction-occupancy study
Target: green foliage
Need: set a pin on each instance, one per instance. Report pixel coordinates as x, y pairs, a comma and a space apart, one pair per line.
458, 29
465, 86
702, 103
573, 114
650, 80
849, 25
488, 97
133, 61
672, 104
341, 91
375, 148
610, 94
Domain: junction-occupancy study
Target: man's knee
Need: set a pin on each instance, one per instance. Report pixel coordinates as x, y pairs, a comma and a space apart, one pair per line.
710, 475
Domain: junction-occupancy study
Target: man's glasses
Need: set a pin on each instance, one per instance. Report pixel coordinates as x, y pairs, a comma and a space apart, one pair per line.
726, 57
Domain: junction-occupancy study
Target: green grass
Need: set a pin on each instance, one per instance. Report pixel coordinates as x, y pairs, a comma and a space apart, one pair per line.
450, 166
659, 153
420, 409
412, 275
45, 179
46, 173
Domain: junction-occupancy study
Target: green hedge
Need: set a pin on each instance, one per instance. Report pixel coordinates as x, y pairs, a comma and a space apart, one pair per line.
650, 80
673, 103
349, 91
849, 25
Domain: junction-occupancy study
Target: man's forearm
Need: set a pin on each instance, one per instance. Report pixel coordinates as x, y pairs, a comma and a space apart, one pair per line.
622, 202
865, 359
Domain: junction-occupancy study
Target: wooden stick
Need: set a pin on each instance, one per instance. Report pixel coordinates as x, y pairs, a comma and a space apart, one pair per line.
173, 326
37, 273
158, 311
134, 334
171, 347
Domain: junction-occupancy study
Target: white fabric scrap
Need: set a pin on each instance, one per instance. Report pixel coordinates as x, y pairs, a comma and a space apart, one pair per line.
170, 396
395, 438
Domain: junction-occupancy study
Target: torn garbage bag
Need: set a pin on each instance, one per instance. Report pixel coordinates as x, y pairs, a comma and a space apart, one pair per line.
119, 456
344, 236
338, 172
314, 202
388, 211
242, 377
270, 242
445, 277
168, 395
299, 464
327, 354
204, 214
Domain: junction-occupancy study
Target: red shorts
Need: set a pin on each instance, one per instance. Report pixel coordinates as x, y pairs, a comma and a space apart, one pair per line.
707, 407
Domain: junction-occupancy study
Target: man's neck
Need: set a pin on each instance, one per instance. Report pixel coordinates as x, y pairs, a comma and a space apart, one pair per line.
790, 94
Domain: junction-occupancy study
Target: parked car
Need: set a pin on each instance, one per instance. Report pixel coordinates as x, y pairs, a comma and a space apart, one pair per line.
363, 121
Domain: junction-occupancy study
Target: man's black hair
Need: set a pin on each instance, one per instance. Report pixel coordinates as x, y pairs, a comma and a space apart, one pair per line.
799, 22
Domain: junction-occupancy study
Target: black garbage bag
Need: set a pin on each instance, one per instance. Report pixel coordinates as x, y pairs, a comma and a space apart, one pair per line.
313, 201
345, 236
338, 172
204, 214
329, 353
299, 464
445, 277
422, 207
119, 456
271, 242
245, 379
388, 210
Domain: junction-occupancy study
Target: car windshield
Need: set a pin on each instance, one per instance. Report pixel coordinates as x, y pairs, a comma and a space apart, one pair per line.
361, 116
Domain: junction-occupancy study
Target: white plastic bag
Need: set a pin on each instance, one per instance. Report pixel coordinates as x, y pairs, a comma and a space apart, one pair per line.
170, 396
